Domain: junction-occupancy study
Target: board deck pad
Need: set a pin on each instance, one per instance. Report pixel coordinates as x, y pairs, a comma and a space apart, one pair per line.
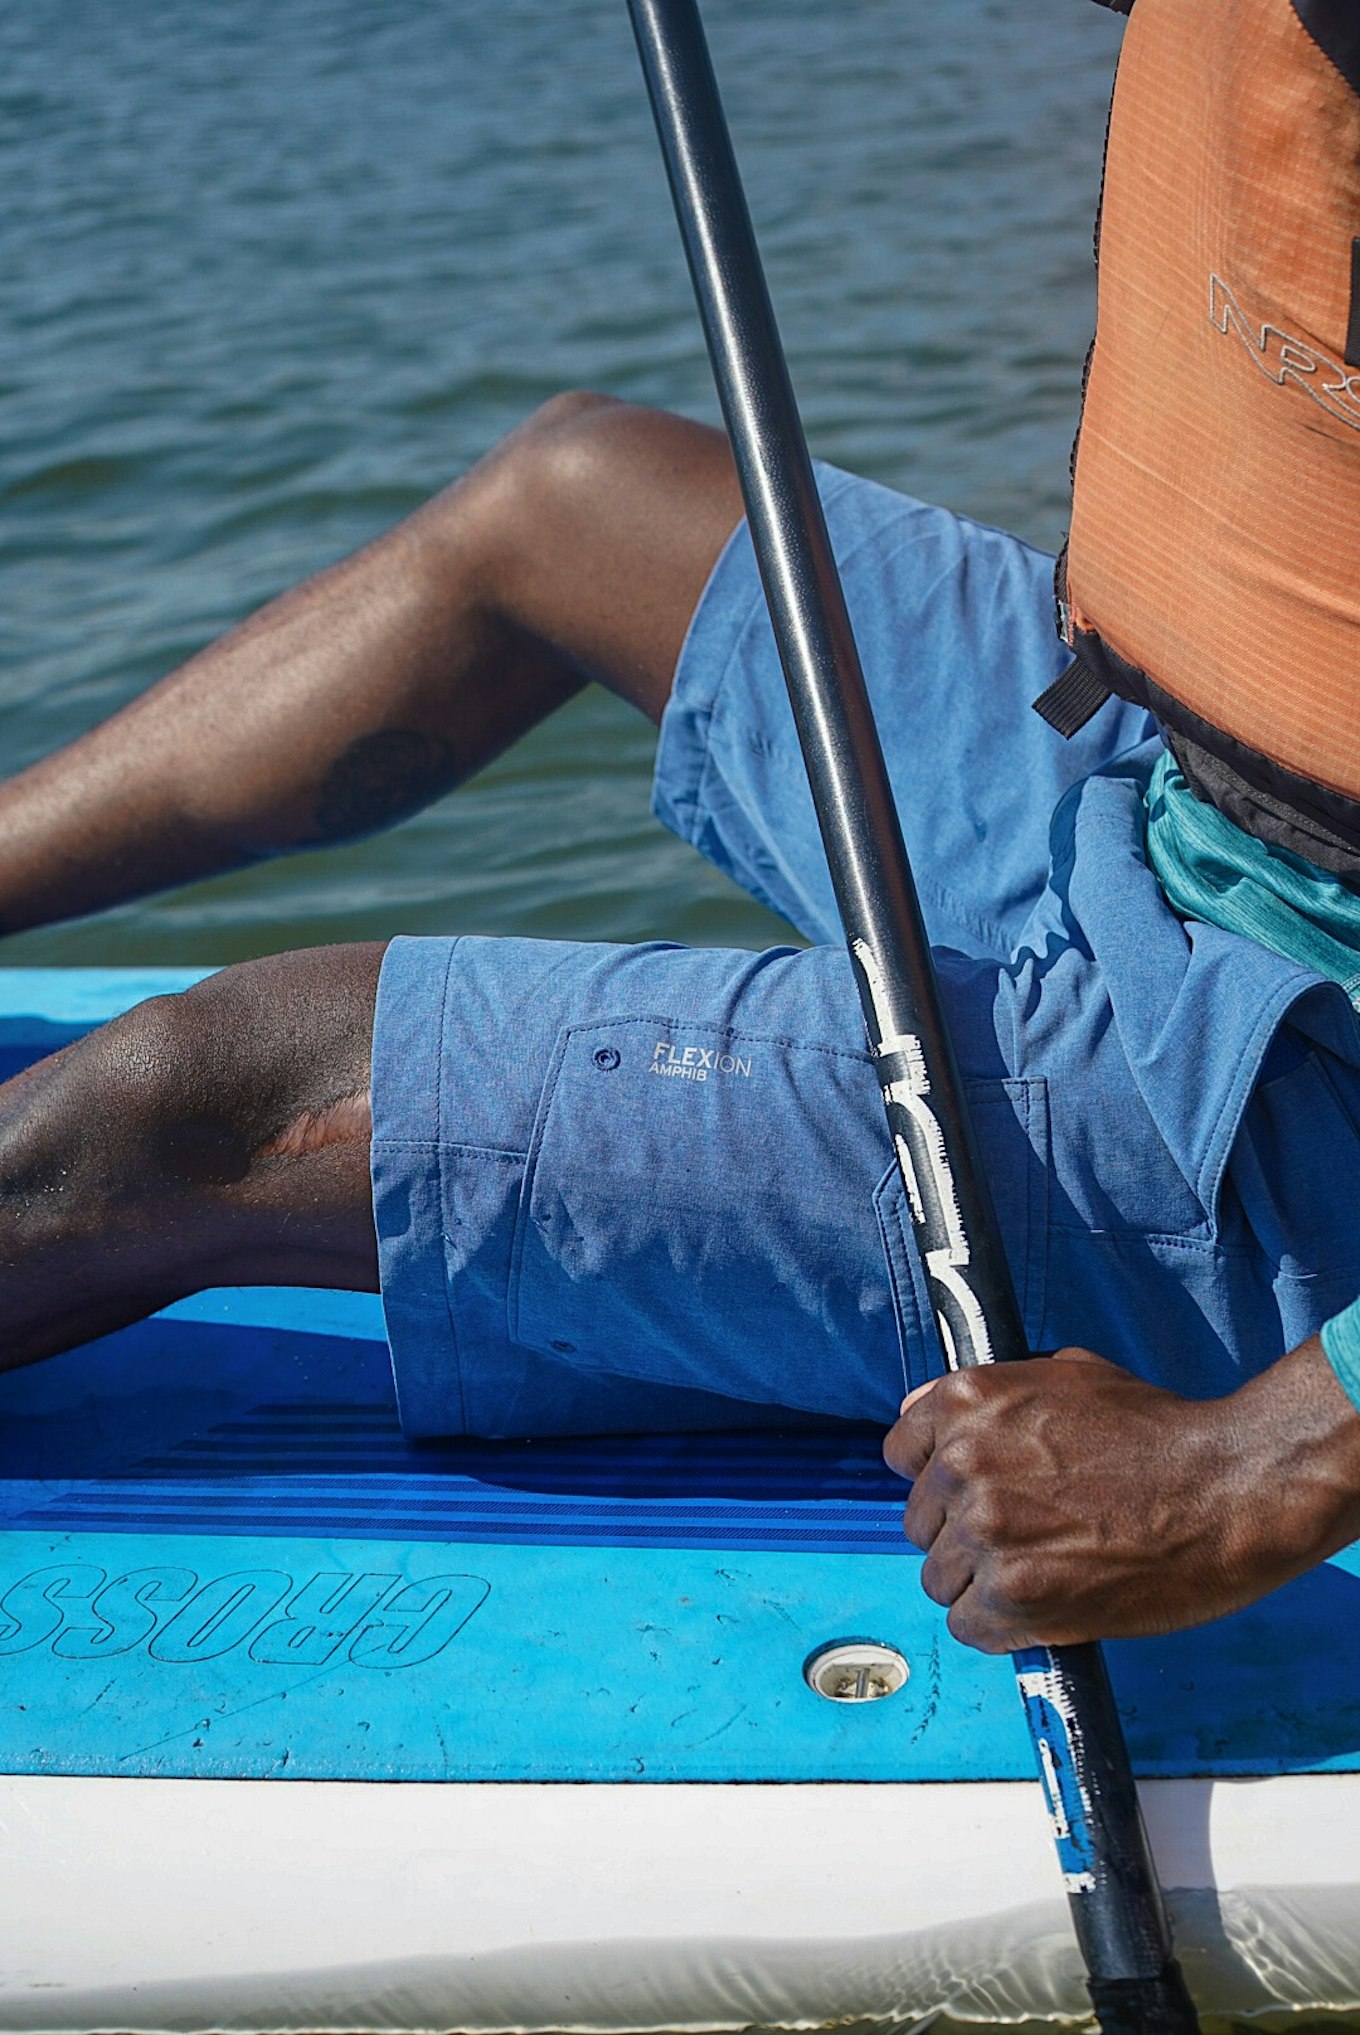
220, 1558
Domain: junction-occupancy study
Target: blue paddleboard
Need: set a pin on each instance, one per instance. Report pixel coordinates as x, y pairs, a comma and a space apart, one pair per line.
219, 1558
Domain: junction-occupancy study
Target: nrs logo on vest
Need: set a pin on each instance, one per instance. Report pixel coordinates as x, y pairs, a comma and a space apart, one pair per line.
1285, 359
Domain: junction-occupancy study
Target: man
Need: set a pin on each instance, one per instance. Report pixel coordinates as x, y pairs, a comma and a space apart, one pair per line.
618, 1187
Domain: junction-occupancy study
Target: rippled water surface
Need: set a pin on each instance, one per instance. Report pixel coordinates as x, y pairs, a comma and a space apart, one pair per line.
273, 274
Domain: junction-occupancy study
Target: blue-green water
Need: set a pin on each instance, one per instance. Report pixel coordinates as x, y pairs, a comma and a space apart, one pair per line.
273, 274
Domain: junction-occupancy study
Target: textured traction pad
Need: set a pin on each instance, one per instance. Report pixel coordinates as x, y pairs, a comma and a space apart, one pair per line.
219, 1557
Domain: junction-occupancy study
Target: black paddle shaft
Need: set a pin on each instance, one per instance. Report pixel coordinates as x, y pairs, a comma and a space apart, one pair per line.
1116, 1903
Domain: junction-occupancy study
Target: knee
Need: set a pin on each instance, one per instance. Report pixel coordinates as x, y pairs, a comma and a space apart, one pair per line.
183, 1093
555, 459
174, 1094
267, 1060
495, 513
164, 1085
568, 410
543, 485
110, 1121
237, 1062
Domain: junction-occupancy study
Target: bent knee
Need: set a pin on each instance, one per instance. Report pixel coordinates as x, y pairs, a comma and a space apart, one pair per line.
498, 510
557, 479
212, 1076
606, 496
178, 1100
554, 464
115, 1116
567, 408
164, 1088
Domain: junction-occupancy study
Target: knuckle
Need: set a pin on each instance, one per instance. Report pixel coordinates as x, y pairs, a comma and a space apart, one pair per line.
965, 1626
987, 1515
933, 1582
969, 1390
978, 1622
959, 1454
897, 1453
1026, 1583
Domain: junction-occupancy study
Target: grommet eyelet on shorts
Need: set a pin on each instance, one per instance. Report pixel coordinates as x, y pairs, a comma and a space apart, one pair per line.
606, 1058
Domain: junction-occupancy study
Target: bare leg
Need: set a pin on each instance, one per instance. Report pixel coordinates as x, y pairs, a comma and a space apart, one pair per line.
576, 550
215, 1138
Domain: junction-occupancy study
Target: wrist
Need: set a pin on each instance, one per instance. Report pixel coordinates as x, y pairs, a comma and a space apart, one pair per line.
1296, 1437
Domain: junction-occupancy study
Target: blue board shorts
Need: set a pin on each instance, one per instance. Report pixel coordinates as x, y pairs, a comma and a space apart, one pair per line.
650, 1187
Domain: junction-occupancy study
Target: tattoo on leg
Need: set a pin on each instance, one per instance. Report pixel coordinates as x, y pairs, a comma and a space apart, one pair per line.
381, 779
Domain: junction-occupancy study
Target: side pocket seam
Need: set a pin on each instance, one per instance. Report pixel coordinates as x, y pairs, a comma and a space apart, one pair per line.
526, 1186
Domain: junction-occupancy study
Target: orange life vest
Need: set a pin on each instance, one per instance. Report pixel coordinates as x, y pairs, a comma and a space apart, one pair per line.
1213, 567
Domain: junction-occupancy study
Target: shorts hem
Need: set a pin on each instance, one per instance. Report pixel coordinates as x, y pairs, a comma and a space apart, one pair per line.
708, 656
407, 1201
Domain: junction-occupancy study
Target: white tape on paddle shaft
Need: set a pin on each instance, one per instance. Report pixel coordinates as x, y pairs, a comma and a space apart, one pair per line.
946, 1263
1056, 1732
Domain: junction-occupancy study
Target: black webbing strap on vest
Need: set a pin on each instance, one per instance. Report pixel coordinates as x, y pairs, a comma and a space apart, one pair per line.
1073, 697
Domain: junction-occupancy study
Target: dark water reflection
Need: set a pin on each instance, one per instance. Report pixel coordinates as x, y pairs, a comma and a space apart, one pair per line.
274, 274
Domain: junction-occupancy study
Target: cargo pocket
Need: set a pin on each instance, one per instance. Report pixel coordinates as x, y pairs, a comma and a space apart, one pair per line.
700, 1209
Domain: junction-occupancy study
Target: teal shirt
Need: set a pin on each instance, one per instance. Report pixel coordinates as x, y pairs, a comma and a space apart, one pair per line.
1212, 870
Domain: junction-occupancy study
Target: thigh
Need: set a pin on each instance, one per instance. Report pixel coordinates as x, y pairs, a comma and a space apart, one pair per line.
954, 623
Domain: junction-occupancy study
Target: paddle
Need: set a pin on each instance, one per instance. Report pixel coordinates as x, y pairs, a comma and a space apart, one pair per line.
1134, 1980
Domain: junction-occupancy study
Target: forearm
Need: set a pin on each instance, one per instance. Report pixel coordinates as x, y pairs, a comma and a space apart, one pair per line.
1297, 1499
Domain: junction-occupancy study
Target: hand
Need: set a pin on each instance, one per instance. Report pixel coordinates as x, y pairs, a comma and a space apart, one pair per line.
1064, 1499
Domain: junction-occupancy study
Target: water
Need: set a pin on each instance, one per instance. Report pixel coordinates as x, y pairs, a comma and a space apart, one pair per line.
272, 275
